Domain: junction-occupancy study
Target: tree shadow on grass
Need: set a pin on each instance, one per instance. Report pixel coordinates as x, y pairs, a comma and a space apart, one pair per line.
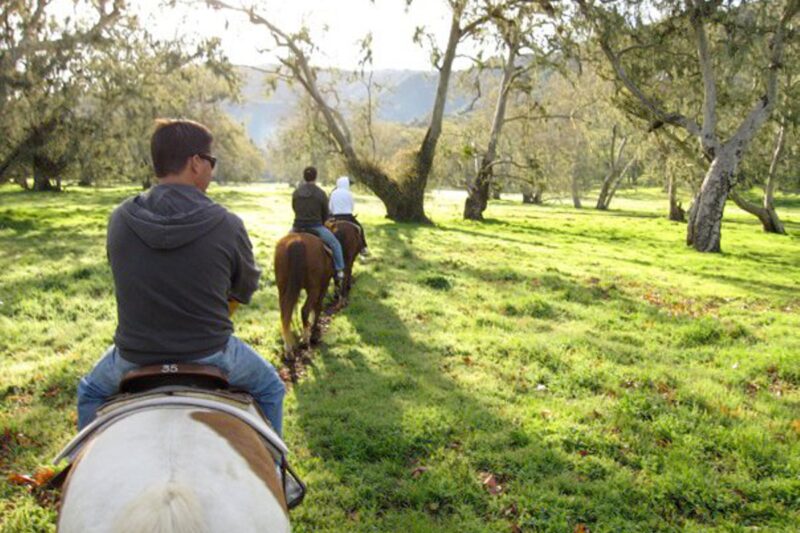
380, 409
389, 423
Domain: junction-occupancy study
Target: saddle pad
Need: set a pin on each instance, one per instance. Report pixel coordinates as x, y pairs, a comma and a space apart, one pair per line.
275, 444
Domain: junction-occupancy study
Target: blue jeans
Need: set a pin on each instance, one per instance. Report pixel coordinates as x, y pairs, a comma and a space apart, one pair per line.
245, 369
333, 243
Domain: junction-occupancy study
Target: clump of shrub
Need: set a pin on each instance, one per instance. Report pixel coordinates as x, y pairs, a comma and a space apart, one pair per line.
708, 331
535, 307
439, 283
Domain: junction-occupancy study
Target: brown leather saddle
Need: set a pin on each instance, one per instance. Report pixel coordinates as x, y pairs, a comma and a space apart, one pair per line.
181, 374
311, 232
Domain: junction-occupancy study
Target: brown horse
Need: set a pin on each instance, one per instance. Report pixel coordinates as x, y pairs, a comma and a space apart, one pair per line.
301, 263
349, 236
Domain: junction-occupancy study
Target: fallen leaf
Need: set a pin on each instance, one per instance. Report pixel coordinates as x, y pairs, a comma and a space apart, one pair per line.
796, 425
43, 474
21, 479
581, 528
418, 471
489, 482
468, 361
583, 453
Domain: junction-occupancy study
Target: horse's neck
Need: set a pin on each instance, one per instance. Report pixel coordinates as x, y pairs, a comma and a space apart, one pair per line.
203, 470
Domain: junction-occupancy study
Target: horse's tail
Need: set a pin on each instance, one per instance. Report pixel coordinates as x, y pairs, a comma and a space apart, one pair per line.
168, 508
296, 264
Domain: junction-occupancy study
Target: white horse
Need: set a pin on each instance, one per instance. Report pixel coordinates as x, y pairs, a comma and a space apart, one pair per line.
178, 469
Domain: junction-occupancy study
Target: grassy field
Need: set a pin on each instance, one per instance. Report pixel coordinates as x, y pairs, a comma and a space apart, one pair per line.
551, 369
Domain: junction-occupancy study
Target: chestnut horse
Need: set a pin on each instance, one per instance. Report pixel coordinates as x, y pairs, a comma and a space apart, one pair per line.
301, 263
349, 236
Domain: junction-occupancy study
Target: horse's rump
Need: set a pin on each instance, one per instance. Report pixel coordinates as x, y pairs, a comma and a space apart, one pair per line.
174, 469
313, 270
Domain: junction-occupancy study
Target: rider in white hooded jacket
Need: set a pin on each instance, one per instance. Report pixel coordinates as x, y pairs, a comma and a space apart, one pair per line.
341, 207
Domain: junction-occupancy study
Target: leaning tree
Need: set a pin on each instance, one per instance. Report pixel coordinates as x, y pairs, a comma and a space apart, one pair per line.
522, 36
643, 43
402, 194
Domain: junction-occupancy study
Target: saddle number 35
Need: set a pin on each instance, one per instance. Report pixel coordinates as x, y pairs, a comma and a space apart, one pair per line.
169, 369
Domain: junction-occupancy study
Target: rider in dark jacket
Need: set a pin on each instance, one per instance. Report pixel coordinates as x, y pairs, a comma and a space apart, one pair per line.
310, 205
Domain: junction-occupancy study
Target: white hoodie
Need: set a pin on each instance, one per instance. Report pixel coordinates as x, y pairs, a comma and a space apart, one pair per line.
341, 202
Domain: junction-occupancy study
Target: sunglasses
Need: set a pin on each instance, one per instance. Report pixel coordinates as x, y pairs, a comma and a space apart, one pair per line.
210, 158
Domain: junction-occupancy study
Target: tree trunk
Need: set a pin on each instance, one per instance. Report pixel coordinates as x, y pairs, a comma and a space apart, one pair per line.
705, 214
22, 181
478, 192
610, 182
404, 203
538, 190
533, 195
605, 189
576, 195
496, 193
676, 212
478, 196
767, 215
41, 179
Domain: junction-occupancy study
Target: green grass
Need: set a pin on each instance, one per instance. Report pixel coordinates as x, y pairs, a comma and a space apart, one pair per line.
605, 374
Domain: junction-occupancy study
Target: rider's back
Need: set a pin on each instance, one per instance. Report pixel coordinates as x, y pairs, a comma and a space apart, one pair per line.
177, 257
310, 205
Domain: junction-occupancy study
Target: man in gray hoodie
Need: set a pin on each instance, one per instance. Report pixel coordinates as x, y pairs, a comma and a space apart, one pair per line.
181, 264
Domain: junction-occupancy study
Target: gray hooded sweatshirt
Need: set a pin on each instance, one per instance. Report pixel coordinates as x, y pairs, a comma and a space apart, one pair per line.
177, 258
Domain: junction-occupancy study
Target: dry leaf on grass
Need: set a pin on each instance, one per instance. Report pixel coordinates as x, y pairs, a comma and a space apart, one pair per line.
43, 475
489, 482
21, 479
418, 471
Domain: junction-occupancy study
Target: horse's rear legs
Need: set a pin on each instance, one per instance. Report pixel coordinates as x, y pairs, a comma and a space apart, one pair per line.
289, 341
310, 315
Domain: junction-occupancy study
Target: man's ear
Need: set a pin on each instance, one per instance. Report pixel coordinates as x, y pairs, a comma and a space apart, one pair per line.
194, 164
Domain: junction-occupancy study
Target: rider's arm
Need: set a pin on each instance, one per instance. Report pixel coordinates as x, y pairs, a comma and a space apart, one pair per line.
245, 272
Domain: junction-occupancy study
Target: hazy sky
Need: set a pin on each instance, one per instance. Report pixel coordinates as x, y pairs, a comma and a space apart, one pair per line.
347, 21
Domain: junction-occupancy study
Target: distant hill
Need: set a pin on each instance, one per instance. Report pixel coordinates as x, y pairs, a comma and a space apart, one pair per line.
405, 96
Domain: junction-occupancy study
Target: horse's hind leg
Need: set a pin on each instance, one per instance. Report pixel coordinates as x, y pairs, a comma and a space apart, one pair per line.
308, 320
316, 334
286, 327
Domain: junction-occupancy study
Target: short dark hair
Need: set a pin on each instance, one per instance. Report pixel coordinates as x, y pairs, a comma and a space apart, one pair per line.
309, 173
175, 141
